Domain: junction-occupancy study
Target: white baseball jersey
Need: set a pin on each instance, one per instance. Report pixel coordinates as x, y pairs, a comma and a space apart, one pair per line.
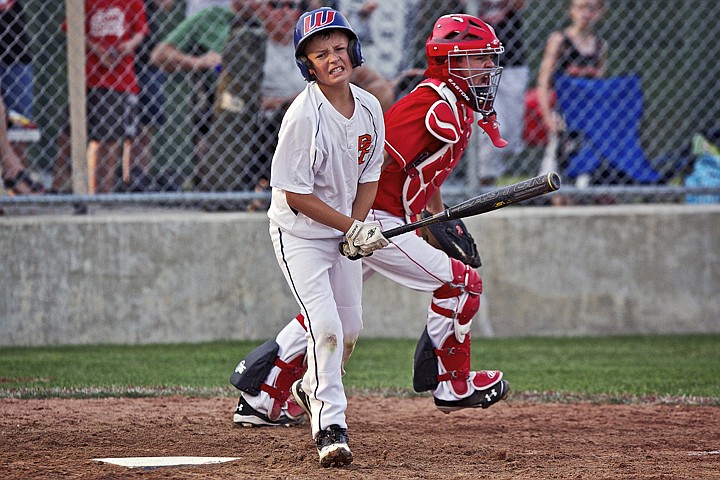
322, 152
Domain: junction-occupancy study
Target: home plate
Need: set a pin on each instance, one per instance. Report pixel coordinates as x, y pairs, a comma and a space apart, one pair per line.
157, 462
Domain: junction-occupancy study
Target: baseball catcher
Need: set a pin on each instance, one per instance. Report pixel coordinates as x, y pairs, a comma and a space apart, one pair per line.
427, 132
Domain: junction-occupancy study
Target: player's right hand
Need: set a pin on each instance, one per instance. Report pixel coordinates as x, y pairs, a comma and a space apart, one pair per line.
348, 249
344, 247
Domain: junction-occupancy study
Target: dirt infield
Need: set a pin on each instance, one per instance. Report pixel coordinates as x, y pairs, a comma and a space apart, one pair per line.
390, 438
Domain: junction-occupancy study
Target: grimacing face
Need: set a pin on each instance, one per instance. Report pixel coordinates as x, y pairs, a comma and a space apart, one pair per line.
329, 57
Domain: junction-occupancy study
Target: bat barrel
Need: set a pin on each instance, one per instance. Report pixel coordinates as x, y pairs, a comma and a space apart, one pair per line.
487, 202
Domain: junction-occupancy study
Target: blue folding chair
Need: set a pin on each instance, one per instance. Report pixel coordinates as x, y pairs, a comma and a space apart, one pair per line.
607, 112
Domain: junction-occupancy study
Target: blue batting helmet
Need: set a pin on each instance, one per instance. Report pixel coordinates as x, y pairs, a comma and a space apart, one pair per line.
316, 21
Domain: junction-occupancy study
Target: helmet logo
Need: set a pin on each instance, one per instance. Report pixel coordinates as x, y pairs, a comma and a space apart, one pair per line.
319, 19
458, 89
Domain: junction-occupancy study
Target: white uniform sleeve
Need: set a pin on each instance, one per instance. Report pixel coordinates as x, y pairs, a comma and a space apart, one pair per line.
293, 159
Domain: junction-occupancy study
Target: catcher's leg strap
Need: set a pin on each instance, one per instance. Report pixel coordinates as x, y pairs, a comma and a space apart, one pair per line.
466, 287
252, 373
290, 371
455, 359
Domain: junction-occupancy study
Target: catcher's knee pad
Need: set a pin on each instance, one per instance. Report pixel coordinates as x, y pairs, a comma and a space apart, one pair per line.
252, 372
454, 357
466, 286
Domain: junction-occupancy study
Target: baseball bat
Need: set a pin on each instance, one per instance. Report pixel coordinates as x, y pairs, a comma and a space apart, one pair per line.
487, 202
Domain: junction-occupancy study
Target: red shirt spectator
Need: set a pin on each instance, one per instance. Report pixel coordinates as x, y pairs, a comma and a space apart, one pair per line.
110, 27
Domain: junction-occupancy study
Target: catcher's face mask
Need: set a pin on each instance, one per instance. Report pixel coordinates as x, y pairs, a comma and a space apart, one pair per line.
477, 70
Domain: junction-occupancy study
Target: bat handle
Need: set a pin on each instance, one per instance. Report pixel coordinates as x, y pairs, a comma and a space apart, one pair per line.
341, 247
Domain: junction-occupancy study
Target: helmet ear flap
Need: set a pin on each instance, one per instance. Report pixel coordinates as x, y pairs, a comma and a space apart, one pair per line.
355, 52
304, 65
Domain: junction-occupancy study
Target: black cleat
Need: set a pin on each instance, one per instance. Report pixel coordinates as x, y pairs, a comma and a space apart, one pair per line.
300, 396
479, 399
332, 446
246, 416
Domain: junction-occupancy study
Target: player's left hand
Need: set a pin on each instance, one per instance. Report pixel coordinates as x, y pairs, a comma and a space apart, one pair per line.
362, 239
367, 237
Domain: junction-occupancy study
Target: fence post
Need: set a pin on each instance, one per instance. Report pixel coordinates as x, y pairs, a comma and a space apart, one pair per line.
77, 94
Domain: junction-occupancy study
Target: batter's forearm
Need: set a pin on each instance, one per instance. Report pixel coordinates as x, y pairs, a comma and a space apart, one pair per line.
363, 200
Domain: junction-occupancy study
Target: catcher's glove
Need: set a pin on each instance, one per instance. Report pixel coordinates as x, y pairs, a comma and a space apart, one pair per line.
453, 238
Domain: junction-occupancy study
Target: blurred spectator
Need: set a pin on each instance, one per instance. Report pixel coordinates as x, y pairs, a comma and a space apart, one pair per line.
16, 178
114, 29
506, 17
574, 51
361, 18
151, 101
195, 46
280, 83
231, 160
419, 20
706, 166
16, 71
194, 6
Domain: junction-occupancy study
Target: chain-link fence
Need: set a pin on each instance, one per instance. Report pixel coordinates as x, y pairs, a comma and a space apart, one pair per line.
192, 115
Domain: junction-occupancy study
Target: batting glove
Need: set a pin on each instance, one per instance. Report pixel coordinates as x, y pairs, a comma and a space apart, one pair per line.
366, 237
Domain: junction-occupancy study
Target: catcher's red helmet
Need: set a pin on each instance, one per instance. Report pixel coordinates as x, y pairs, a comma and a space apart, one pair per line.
453, 49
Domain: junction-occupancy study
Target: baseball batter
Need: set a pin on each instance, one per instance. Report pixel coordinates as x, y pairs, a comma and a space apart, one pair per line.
324, 178
427, 133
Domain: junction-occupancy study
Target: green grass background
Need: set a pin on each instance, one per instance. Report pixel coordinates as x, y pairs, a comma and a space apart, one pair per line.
676, 368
